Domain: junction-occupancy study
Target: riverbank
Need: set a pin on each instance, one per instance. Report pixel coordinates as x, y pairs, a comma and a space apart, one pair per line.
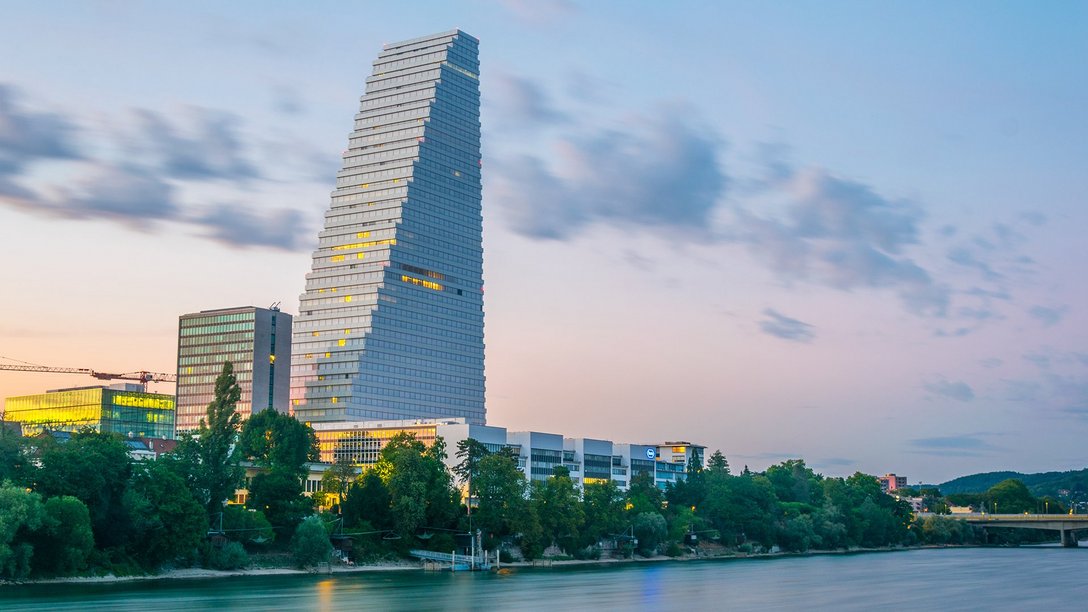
409, 566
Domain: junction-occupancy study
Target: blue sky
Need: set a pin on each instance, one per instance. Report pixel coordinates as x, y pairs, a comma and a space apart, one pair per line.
843, 231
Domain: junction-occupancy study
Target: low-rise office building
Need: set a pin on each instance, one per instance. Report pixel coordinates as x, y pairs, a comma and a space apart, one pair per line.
126, 408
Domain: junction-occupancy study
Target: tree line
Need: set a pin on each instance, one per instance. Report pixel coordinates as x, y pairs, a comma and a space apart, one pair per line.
85, 506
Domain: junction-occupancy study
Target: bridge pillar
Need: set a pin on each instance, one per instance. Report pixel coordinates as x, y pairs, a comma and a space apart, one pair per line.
1069, 538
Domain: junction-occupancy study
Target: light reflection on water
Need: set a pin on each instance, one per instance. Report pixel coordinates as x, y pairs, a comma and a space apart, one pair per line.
951, 579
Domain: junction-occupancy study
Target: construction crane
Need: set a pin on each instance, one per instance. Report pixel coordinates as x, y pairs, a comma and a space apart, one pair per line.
144, 377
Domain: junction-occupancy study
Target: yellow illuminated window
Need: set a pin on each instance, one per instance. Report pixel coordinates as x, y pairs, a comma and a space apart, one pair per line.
316, 334
328, 354
360, 256
347, 298
679, 449
336, 258
271, 359
363, 245
335, 400
309, 355
341, 342
363, 235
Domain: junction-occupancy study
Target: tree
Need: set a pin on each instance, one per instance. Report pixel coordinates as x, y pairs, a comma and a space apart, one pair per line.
336, 482
65, 540
282, 445
650, 529
501, 499
15, 465
470, 451
1010, 497
278, 441
166, 522
94, 468
208, 462
368, 500
718, 463
279, 495
310, 544
247, 525
557, 507
20, 514
420, 489
602, 506
643, 495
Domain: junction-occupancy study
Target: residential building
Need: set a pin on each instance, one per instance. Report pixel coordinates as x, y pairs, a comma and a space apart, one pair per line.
257, 341
891, 482
673, 459
126, 409
391, 323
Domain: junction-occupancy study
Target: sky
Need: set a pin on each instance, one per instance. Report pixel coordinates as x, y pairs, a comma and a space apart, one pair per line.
849, 232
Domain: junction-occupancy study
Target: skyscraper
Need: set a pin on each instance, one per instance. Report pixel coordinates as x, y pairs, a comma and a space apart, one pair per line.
255, 340
391, 324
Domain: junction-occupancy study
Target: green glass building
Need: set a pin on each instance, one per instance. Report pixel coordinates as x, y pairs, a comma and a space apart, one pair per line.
123, 409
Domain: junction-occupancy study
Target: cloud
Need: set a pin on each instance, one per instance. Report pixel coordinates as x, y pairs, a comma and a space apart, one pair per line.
781, 326
842, 234
236, 226
991, 362
1049, 317
161, 161
122, 193
288, 101
210, 148
27, 136
664, 175
522, 104
968, 445
957, 390
538, 12
1021, 391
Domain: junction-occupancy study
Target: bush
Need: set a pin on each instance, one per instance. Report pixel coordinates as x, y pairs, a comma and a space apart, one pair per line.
672, 550
310, 544
505, 557
230, 556
591, 553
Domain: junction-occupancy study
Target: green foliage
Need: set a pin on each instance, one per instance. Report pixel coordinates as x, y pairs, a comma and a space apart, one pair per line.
231, 556
65, 541
94, 468
470, 451
1010, 497
247, 526
643, 495
718, 463
602, 506
279, 495
310, 544
650, 529
165, 522
20, 514
15, 464
278, 441
420, 488
218, 474
557, 508
368, 502
502, 506
337, 480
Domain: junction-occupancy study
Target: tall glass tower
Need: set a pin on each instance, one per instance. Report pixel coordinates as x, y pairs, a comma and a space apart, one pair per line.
391, 324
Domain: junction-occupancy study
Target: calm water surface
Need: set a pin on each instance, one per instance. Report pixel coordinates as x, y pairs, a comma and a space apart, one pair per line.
951, 579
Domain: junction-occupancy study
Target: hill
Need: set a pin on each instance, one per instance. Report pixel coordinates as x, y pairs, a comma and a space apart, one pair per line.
1045, 483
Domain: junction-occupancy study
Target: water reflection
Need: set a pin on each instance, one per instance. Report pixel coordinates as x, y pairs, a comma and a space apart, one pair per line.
952, 579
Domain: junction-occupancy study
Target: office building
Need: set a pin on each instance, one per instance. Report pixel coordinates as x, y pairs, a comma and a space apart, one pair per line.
126, 409
391, 324
891, 482
257, 341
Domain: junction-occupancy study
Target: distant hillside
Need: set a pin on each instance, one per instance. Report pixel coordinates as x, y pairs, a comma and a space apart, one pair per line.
1046, 483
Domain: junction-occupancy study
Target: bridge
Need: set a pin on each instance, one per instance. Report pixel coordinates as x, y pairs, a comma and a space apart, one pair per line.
454, 561
1067, 524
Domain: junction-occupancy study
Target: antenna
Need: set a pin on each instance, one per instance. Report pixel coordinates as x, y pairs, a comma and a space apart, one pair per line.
275, 306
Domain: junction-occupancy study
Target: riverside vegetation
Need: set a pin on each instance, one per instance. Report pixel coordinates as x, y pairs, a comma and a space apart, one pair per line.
84, 507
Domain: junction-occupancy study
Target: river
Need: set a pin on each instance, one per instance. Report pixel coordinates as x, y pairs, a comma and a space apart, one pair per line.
931, 579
